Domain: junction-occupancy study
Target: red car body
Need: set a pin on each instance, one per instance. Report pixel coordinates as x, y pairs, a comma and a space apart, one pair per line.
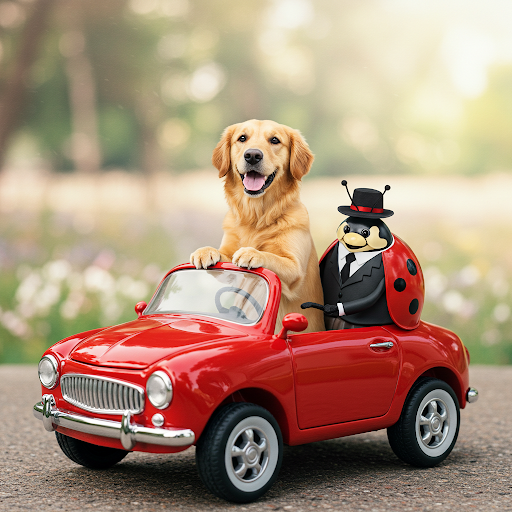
213, 362
317, 386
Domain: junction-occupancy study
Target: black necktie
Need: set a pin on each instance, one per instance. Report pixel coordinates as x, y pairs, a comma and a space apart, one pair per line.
345, 271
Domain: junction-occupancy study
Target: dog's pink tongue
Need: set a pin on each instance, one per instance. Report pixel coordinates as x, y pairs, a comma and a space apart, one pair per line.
254, 181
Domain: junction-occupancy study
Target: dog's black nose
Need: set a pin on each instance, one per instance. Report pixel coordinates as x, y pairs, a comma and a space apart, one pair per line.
253, 156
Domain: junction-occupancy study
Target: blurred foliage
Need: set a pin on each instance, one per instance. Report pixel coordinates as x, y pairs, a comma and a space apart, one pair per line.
467, 289
63, 273
150, 84
488, 126
378, 86
60, 277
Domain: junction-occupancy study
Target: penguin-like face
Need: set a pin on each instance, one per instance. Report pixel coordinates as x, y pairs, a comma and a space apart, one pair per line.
358, 234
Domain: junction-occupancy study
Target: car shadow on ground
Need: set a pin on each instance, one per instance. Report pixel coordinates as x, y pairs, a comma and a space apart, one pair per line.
344, 458
355, 462
307, 470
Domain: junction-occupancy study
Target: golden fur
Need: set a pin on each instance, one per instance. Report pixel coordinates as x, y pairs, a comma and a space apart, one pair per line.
270, 230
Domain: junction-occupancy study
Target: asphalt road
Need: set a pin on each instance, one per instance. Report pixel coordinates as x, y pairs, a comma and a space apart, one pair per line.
358, 473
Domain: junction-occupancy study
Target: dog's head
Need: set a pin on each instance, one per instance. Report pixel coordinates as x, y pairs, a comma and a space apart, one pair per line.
261, 154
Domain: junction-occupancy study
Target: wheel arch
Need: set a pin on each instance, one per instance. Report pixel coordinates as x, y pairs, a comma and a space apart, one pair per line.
264, 399
448, 376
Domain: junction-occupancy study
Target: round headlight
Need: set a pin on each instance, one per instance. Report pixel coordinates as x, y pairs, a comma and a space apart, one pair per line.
159, 389
48, 371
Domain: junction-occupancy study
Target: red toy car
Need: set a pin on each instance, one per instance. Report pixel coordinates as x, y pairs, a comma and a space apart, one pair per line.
201, 365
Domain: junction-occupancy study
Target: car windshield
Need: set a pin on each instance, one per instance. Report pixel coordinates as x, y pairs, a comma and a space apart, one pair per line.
236, 296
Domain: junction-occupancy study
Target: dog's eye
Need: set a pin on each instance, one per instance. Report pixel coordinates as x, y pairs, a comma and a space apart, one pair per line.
346, 229
274, 140
242, 138
365, 233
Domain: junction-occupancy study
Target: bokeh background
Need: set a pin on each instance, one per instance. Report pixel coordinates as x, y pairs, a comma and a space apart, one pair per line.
109, 111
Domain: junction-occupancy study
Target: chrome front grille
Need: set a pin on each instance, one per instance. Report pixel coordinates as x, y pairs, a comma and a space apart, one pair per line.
102, 395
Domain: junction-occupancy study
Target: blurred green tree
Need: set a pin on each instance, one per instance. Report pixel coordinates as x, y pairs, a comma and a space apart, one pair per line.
487, 132
149, 85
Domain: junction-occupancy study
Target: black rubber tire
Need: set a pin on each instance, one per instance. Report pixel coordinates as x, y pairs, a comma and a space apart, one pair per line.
212, 445
89, 455
404, 435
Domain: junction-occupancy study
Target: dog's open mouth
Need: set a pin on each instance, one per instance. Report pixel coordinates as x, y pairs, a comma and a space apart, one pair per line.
256, 183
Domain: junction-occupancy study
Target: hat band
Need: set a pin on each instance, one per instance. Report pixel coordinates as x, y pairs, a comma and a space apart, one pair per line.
366, 209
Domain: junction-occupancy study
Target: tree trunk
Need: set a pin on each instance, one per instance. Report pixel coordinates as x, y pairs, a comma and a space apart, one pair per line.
14, 94
85, 144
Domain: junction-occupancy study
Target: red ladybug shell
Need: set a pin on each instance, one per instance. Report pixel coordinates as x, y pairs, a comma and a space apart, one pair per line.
405, 287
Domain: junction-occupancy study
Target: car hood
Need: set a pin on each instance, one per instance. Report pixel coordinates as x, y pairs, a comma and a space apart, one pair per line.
139, 344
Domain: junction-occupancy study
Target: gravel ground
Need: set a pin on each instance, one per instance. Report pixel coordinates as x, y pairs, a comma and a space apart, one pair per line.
349, 474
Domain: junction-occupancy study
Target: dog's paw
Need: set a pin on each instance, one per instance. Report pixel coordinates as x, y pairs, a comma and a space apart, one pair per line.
248, 257
205, 257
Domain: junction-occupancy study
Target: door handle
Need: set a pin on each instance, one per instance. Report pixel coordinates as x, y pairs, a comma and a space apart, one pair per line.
384, 344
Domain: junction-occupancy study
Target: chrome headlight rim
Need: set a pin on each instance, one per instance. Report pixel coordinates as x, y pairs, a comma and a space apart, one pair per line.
55, 366
167, 386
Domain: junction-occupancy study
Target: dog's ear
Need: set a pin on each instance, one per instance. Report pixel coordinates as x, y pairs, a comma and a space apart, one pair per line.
301, 157
221, 157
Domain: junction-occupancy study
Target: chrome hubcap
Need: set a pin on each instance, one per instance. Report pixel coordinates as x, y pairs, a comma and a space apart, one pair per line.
434, 423
249, 454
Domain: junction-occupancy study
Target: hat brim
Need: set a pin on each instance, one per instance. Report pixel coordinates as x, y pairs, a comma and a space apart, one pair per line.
346, 210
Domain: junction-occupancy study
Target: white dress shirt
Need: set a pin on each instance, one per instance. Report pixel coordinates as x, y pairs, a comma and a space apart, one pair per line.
361, 259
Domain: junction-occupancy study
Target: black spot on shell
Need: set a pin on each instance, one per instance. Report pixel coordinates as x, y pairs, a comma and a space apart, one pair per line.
411, 267
400, 284
413, 306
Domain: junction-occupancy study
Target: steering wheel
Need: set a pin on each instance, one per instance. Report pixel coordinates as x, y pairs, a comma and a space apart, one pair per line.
235, 311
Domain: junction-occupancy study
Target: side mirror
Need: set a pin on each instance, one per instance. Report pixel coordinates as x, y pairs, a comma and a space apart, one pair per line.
140, 307
293, 322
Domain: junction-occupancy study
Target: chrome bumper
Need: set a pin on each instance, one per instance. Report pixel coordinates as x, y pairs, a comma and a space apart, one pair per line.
472, 395
129, 434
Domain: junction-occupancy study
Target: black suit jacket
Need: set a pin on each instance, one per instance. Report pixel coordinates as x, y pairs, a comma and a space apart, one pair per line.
363, 294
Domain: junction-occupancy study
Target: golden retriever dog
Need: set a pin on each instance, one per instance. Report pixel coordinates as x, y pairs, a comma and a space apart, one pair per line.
267, 226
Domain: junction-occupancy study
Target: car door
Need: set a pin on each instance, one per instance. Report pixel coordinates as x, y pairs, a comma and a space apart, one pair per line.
344, 375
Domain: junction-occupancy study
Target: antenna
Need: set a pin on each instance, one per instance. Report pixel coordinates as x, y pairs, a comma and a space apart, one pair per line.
344, 183
386, 188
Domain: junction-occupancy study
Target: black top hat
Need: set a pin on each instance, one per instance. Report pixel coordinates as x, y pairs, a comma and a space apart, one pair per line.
367, 203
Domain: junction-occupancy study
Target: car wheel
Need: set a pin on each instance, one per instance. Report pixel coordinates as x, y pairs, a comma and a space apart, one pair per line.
428, 427
89, 455
240, 452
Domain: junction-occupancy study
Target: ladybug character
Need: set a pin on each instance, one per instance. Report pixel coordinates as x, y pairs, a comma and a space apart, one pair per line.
369, 276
